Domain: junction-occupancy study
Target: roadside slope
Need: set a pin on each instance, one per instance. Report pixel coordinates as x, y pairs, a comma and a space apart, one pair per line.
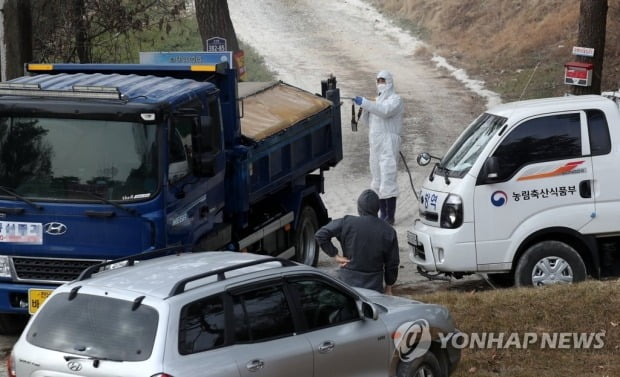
506, 42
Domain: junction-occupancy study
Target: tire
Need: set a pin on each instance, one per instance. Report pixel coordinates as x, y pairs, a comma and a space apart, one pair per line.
549, 262
12, 324
306, 248
425, 366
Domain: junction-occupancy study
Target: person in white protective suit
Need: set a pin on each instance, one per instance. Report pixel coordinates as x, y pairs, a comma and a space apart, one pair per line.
384, 118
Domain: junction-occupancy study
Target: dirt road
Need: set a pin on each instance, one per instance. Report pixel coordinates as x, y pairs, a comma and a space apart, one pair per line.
305, 40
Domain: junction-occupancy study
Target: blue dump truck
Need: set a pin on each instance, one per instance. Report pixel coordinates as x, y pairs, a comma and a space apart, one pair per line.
100, 161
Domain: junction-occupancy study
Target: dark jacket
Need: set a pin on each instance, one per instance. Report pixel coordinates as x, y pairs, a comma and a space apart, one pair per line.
369, 242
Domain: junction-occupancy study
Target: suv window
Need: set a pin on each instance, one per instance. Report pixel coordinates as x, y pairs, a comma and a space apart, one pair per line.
202, 326
261, 314
323, 305
95, 326
547, 138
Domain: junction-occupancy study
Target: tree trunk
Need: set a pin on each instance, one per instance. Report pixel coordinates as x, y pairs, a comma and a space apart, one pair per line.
592, 27
82, 44
214, 21
16, 37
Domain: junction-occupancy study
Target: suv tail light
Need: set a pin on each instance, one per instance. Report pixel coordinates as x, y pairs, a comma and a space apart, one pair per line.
10, 365
162, 375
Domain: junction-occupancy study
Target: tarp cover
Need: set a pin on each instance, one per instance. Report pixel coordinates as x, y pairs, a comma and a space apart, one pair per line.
269, 108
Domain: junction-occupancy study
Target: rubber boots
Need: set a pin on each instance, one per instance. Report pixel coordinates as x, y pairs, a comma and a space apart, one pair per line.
383, 209
390, 210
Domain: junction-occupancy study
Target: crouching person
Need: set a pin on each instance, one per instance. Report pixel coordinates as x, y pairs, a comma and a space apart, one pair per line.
369, 246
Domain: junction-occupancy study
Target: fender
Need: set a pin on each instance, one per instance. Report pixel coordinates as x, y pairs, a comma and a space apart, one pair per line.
585, 245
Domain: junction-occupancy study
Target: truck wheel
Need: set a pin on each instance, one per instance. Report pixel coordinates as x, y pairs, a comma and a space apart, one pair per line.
12, 324
425, 366
306, 248
549, 262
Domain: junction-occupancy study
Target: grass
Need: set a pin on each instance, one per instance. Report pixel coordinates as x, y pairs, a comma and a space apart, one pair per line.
590, 307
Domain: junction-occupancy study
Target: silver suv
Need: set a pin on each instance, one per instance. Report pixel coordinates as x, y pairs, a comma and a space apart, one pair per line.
229, 314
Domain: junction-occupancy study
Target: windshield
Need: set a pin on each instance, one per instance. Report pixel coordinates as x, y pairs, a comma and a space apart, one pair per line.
95, 326
54, 158
468, 147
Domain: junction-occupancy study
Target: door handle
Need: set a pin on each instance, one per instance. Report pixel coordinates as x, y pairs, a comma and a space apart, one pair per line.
255, 365
327, 347
585, 189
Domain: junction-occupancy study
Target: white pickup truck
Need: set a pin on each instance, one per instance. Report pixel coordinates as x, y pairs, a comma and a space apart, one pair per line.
529, 193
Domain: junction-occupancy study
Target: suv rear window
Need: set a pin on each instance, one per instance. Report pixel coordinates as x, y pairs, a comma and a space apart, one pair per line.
95, 326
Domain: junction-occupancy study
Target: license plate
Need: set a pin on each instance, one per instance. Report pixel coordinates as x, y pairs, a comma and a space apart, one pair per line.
36, 297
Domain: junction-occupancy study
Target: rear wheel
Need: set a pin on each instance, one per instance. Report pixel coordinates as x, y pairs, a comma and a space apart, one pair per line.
306, 247
425, 366
12, 324
550, 262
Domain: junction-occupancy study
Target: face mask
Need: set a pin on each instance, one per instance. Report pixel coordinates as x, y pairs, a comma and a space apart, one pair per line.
380, 88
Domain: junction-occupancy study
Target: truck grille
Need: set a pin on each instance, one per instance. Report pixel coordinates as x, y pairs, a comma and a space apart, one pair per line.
50, 270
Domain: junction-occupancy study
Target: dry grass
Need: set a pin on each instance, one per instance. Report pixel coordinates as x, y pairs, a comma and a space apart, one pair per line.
502, 41
590, 307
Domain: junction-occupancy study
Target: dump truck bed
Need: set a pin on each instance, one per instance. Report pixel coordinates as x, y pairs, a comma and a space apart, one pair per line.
288, 132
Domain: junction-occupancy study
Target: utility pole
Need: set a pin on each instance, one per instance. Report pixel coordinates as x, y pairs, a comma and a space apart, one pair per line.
592, 28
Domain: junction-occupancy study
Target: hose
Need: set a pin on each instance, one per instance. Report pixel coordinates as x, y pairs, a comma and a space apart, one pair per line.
402, 156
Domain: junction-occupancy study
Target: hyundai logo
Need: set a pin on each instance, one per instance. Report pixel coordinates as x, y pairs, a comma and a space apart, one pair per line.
55, 229
74, 366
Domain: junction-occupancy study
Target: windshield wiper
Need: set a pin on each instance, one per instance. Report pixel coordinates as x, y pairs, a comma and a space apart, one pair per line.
104, 200
445, 171
96, 360
23, 199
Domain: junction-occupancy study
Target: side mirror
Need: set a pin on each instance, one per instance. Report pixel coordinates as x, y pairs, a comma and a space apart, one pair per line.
423, 159
369, 311
489, 171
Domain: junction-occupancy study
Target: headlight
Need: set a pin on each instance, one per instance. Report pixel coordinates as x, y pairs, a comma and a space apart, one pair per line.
452, 212
5, 267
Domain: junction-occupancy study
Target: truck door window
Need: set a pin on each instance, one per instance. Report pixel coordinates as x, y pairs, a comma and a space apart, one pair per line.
600, 143
178, 157
555, 137
216, 128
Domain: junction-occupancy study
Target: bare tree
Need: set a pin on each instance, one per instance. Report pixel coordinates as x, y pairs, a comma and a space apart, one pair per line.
214, 21
592, 28
87, 31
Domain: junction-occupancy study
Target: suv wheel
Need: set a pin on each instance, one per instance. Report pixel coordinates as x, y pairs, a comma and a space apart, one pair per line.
425, 366
549, 262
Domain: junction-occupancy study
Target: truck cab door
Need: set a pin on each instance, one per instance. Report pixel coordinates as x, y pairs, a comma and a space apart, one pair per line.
541, 177
196, 172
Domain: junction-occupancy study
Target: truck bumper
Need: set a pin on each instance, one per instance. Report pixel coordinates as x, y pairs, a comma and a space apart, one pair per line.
14, 297
442, 250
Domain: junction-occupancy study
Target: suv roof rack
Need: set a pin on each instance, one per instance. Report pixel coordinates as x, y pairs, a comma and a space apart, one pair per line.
179, 287
88, 272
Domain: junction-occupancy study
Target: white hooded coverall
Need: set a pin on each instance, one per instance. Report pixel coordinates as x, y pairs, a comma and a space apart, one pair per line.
384, 118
